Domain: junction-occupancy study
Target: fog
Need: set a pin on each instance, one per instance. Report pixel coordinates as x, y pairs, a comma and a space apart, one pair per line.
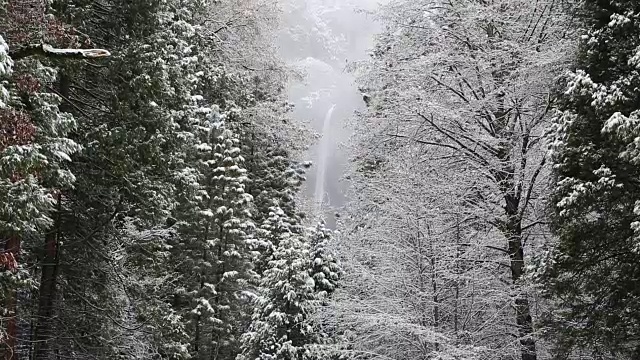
322, 37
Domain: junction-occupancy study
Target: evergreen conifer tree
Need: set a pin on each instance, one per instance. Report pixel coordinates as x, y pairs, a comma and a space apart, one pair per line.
593, 273
280, 329
325, 270
213, 246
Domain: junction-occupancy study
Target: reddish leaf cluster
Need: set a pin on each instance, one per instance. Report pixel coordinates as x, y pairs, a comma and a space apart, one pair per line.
62, 35
8, 261
27, 83
24, 22
16, 128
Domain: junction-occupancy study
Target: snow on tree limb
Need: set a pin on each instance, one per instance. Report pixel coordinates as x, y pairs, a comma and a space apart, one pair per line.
49, 51
6, 65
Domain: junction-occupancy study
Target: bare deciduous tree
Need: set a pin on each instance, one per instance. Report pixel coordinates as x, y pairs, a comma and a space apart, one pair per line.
466, 86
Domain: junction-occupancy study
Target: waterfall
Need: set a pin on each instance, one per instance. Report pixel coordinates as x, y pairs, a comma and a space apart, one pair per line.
324, 150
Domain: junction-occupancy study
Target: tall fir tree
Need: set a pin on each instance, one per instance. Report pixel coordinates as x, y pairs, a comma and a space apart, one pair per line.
213, 244
326, 272
280, 328
593, 272
325, 269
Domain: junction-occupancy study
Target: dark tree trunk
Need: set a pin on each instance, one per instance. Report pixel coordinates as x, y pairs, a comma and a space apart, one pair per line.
513, 231
512, 227
43, 333
457, 282
523, 313
11, 252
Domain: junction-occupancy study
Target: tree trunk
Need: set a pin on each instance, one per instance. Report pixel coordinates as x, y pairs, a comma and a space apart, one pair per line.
434, 287
11, 252
48, 283
436, 301
456, 298
512, 228
516, 254
43, 335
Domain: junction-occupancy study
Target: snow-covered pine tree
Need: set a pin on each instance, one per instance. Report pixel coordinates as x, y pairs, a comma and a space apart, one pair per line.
593, 272
275, 181
325, 269
34, 145
6, 65
326, 273
129, 111
279, 327
213, 246
35, 152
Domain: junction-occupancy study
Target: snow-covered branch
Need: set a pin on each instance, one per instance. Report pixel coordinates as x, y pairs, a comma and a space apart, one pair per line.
49, 51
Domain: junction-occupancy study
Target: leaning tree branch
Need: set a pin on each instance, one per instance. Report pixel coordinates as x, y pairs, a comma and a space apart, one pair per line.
49, 51
528, 226
480, 143
488, 247
460, 94
471, 152
425, 142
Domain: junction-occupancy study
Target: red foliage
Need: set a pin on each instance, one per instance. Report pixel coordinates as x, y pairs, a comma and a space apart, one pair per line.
26, 23
16, 128
62, 35
8, 261
23, 23
27, 83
